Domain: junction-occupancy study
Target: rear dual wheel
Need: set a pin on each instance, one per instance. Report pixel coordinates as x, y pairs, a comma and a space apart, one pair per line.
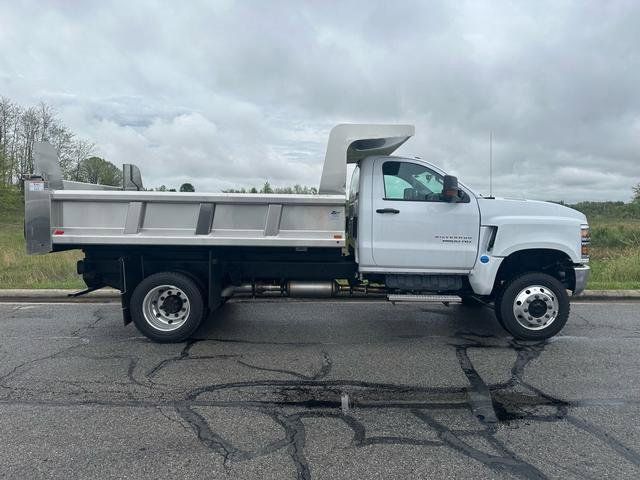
167, 307
533, 306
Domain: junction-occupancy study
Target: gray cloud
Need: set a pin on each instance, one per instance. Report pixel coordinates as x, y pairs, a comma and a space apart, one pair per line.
234, 93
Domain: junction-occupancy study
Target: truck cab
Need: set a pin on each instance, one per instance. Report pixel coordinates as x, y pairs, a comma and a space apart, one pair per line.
413, 227
407, 224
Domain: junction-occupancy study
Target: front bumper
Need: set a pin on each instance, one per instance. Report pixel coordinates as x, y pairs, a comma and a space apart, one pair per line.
581, 273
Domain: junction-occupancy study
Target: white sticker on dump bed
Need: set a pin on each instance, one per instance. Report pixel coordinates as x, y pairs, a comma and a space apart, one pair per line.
36, 186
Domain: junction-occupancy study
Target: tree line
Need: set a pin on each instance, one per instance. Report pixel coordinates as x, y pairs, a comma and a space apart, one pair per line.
267, 188
185, 187
21, 126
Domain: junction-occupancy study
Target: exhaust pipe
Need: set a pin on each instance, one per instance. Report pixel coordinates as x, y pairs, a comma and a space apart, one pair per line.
292, 288
302, 289
251, 289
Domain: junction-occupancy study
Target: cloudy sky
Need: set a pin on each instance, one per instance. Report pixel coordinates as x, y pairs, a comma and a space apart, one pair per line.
228, 94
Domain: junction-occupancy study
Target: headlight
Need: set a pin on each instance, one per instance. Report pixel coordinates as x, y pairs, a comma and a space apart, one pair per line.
585, 236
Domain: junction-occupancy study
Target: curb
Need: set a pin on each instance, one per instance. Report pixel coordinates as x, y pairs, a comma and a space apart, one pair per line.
611, 295
57, 295
111, 295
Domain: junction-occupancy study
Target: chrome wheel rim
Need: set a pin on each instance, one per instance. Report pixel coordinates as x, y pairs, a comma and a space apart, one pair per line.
536, 307
166, 308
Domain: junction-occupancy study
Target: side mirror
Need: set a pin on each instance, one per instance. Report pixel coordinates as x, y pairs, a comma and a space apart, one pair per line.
450, 190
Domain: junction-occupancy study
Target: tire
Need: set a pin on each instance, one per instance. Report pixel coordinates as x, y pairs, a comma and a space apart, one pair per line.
519, 297
167, 307
203, 291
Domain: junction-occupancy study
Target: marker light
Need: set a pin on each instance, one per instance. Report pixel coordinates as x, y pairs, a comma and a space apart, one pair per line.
585, 236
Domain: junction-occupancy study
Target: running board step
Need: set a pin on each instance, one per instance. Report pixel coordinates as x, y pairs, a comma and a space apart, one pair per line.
446, 299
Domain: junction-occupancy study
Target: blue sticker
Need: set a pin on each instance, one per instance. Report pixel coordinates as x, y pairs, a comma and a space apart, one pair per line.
484, 259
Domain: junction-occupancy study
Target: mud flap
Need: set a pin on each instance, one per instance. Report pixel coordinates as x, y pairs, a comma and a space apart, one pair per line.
214, 292
131, 274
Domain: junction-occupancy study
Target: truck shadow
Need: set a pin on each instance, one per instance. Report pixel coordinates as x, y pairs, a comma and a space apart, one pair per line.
334, 322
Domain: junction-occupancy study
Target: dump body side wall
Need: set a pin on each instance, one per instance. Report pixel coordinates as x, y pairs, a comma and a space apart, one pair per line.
157, 218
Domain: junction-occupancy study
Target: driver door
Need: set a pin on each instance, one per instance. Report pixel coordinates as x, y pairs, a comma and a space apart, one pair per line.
414, 229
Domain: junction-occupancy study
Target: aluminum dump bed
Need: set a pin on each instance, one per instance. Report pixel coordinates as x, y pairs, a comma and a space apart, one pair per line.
81, 217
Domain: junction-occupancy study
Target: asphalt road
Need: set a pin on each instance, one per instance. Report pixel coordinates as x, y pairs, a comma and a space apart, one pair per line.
318, 390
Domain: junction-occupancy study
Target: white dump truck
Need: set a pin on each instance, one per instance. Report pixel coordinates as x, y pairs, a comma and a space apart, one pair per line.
404, 230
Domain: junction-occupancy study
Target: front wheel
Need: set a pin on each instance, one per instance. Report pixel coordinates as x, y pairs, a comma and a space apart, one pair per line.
167, 307
533, 306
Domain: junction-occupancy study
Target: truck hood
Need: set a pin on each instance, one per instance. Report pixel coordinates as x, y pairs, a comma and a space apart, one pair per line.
528, 224
495, 211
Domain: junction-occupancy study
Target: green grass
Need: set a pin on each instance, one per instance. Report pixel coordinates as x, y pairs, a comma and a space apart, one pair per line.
615, 268
615, 251
19, 270
615, 244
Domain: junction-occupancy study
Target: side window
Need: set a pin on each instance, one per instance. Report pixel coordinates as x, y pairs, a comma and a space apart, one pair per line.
354, 186
411, 181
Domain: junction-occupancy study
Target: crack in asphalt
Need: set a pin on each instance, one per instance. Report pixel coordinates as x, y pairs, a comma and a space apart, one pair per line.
613, 443
314, 396
507, 462
490, 404
98, 317
324, 370
479, 394
21, 367
184, 353
296, 438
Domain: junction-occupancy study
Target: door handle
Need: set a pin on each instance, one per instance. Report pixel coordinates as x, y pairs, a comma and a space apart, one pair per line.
387, 210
